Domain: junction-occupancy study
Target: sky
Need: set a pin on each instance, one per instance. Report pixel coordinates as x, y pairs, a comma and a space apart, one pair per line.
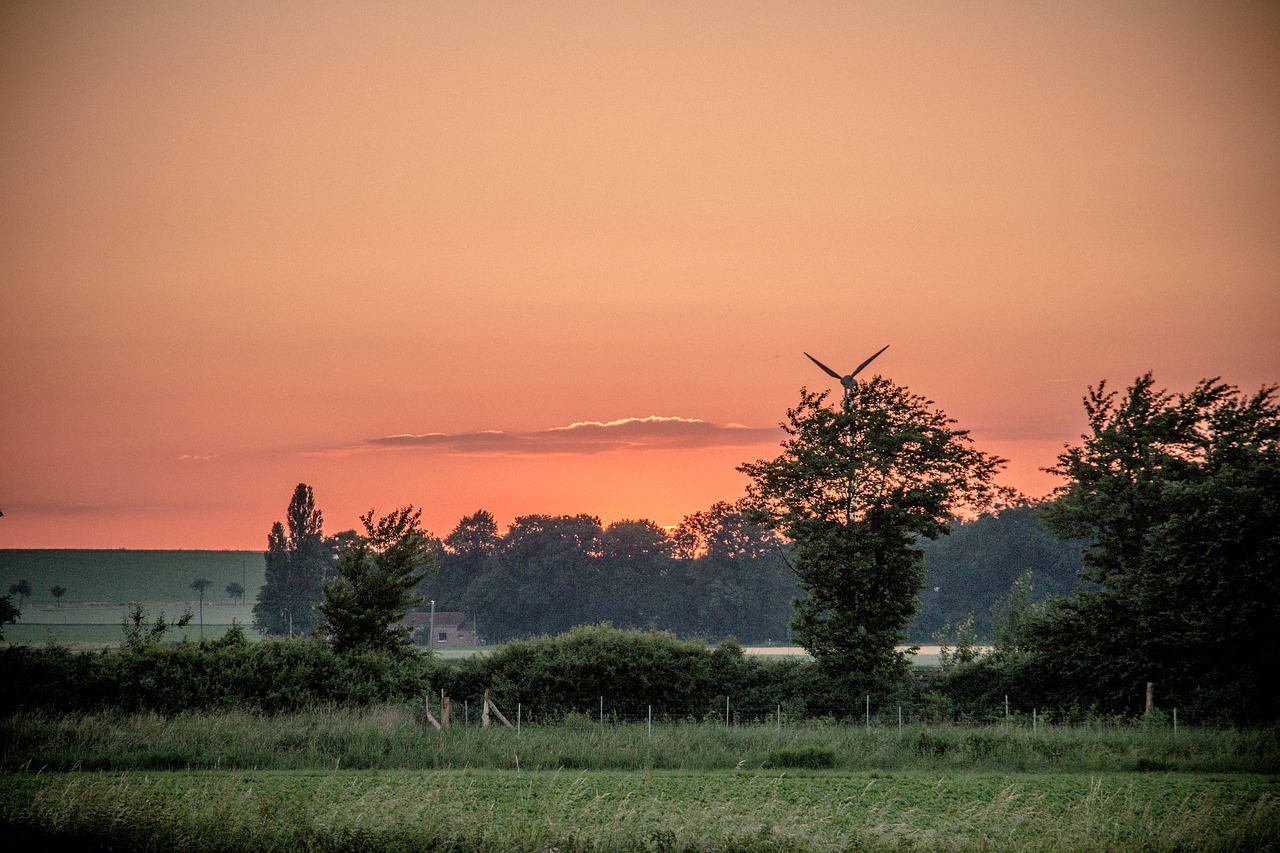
567, 257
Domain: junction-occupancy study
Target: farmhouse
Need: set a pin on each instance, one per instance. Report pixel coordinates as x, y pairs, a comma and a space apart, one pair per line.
452, 628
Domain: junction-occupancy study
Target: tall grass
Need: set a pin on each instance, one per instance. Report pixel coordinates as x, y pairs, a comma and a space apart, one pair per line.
659, 811
387, 737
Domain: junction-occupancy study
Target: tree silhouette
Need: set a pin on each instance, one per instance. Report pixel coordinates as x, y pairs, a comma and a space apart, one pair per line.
855, 489
235, 591
297, 560
200, 585
8, 613
22, 589
58, 591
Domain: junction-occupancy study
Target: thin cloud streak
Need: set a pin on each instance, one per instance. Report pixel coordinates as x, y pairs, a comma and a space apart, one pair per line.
581, 438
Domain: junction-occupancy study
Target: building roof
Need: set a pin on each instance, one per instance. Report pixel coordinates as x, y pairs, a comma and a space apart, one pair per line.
444, 619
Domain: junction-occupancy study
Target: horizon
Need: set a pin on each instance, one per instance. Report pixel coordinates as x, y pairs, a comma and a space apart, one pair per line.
568, 258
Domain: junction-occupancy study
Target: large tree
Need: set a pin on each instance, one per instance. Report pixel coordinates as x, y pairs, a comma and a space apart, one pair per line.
731, 578
364, 607
1177, 497
855, 490
462, 558
297, 561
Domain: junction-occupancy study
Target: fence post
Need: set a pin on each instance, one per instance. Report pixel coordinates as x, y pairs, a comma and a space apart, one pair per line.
1175, 723
868, 712
650, 722
1034, 724
726, 711
602, 710
779, 720
1006, 710
519, 714
466, 713
899, 721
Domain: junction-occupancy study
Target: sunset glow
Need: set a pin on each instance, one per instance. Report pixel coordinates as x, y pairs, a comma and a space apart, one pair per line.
568, 257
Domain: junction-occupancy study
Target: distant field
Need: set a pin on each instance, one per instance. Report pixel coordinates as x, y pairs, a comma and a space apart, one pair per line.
103, 585
121, 577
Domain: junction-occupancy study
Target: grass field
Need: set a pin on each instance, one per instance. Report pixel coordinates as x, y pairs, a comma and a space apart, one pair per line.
121, 577
376, 779
489, 810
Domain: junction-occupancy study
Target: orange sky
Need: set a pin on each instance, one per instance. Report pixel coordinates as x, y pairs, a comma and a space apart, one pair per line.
242, 243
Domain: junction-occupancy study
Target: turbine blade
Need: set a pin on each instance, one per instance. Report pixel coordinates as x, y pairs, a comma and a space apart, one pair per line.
858, 369
829, 371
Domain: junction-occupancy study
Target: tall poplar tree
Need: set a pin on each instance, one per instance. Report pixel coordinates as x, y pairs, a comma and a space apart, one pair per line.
296, 562
854, 490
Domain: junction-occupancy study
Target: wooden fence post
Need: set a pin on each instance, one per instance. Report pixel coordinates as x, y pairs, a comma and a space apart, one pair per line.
445, 711
427, 717
489, 706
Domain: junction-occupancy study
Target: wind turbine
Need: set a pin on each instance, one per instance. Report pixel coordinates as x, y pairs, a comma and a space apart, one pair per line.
847, 381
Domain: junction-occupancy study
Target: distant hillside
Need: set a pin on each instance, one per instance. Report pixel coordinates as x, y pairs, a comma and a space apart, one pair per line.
122, 576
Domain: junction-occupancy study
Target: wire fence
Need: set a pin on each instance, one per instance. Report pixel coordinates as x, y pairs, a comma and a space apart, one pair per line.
868, 714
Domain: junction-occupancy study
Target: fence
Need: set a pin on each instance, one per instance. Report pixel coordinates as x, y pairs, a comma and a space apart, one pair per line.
867, 714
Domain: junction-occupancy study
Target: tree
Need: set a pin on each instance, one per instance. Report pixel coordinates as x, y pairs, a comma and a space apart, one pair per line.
461, 559
297, 561
855, 490
235, 591
364, 606
137, 633
732, 579
977, 564
9, 614
22, 589
542, 578
1177, 497
200, 585
57, 591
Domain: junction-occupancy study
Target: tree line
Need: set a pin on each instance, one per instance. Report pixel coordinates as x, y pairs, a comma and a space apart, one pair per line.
1173, 500
716, 575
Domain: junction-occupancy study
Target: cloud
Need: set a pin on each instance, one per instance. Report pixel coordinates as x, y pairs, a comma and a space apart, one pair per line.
584, 437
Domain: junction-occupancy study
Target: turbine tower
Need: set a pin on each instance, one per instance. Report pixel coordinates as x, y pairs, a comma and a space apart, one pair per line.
847, 381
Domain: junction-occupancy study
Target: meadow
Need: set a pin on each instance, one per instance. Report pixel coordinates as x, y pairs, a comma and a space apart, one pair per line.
374, 778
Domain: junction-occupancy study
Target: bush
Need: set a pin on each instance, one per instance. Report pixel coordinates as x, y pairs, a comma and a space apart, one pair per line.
270, 676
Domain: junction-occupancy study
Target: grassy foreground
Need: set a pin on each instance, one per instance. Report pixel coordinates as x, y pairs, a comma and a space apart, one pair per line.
391, 737
490, 810
374, 779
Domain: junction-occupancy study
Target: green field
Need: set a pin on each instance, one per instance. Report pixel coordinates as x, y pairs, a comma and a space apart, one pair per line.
122, 577
376, 778
489, 810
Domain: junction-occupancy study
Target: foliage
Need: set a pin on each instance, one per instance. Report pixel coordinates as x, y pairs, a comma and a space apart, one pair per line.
137, 633
148, 675
9, 613
461, 559
972, 569
548, 573
235, 591
57, 591
1178, 500
22, 589
365, 606
296, 564
854, 490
